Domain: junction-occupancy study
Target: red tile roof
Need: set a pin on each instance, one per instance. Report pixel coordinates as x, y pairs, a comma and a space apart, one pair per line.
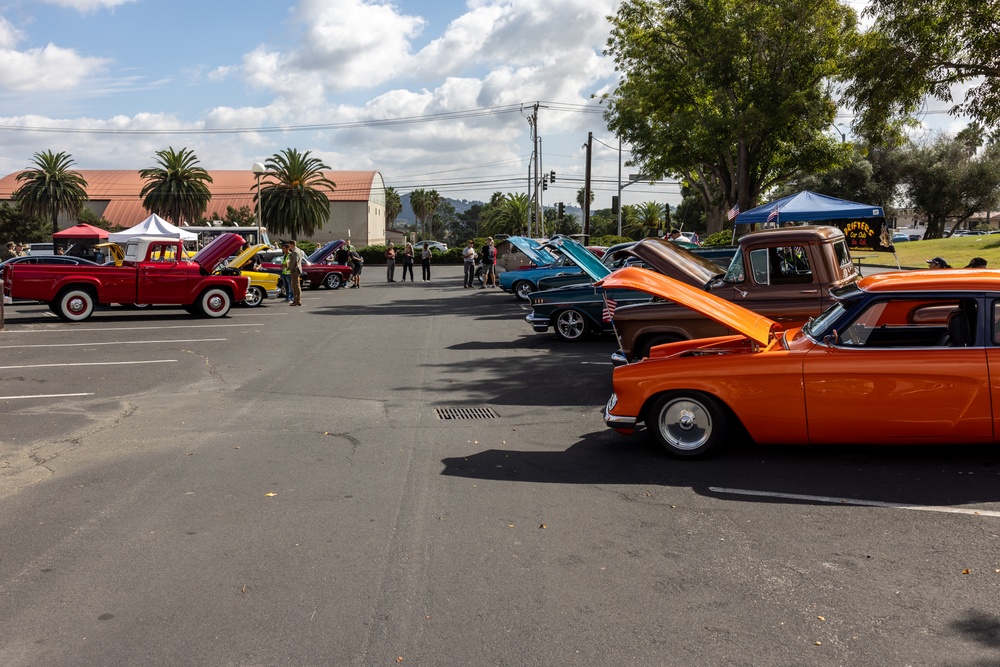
121, 187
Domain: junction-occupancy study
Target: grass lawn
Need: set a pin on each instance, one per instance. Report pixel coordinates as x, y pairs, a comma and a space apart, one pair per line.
957, 252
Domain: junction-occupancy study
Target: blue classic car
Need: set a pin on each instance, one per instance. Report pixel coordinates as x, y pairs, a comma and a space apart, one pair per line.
524, 281
574, 311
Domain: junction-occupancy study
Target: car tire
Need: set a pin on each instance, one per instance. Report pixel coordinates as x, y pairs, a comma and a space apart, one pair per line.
652, 341
522, 290
333, 281
571, 325
214, 302
687, 424
75, 304
255, 296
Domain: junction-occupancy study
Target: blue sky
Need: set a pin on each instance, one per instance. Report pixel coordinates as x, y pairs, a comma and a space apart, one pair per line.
107, 73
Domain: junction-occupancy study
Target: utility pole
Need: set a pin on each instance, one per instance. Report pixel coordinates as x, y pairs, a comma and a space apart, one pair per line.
586, 191
535, 207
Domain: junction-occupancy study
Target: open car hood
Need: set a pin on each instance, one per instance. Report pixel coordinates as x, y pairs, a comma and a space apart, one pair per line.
222, 247
580, 256
750, 324
321, 254
672, 260
245, 256
533, 250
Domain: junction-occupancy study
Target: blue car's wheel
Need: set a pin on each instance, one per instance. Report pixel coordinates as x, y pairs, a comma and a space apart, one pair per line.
523, 289
571, 325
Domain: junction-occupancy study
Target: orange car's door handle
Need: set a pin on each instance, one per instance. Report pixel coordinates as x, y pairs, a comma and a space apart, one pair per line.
809, 291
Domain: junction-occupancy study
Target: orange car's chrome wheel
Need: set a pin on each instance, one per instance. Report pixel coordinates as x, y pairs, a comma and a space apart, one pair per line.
687, 425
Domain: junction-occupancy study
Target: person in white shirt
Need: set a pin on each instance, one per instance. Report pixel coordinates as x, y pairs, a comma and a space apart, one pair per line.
469, 260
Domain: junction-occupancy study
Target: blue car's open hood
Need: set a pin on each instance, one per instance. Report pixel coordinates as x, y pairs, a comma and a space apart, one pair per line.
533, 250
581, 257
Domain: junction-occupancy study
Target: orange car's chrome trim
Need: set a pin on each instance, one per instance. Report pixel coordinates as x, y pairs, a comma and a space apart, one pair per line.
750, 324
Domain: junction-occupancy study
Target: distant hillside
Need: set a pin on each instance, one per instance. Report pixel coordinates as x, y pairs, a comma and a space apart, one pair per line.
406, 216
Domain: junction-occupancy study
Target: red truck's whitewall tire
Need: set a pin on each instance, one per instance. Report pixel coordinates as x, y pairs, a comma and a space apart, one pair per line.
214, 302
75, 304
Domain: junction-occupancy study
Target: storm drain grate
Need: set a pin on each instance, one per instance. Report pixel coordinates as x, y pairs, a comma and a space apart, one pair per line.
465, 413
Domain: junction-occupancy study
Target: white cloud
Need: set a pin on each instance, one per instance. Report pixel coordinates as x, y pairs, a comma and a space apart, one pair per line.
87, 5
45, 69
9, 35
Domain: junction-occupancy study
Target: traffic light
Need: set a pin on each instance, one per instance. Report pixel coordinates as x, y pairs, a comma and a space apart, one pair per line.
545, 184
552, 176
562, 210
614, 204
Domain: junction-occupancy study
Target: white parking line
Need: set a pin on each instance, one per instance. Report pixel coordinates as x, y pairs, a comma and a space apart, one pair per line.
10, 398
855, 501
91, 363
121, 342
172, 326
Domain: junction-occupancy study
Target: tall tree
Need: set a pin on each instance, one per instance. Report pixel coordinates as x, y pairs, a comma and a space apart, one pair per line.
393, 206
916, 48
294, 197
424, 203
466, 224
50, 188
509, 215
176, 188
733, 96
947, 184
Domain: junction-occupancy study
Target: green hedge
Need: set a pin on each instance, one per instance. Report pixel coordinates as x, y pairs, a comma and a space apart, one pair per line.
375, 254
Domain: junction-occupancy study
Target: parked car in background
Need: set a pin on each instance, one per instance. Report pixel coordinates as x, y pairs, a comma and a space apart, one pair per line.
913, 352
48, 259
433, 245
900, 238
318, 269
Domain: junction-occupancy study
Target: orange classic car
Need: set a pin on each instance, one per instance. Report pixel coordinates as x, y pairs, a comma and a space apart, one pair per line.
899, 358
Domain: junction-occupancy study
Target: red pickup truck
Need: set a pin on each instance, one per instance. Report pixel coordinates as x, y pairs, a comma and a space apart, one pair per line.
154, 271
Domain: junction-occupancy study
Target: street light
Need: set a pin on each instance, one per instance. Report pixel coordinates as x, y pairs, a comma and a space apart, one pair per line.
258, 169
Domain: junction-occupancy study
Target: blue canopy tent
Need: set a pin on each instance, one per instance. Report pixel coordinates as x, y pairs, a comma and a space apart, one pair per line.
862, 224
808, 206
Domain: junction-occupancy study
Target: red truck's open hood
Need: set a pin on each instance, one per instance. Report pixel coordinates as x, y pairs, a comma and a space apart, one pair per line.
211, 255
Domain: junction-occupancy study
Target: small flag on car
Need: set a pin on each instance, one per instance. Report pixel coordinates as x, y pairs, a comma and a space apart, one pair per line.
734, 211
773, 215
609, 309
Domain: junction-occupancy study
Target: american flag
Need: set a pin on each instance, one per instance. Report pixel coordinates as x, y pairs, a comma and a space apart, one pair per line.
609, 309
773, 215
734, 211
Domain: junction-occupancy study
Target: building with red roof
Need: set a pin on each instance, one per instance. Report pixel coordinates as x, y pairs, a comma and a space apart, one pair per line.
357, 205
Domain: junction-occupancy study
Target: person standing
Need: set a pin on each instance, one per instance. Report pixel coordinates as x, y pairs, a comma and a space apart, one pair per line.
286, 272
408, 261
425, 262
295, 256
357, 263
469, 260
390, 263
489, 264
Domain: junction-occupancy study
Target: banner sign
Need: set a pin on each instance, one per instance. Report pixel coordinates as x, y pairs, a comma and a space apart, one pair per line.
871, 234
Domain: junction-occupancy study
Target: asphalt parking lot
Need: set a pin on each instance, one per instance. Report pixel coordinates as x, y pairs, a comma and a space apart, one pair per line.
276, 487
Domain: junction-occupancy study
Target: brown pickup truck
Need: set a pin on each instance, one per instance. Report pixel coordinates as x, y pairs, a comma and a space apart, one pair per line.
784, 274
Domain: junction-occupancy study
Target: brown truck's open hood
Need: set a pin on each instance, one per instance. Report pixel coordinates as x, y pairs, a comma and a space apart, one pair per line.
672, 260
750, 324
225, 245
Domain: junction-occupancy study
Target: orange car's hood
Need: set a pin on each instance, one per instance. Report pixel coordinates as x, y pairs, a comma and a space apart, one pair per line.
750, 324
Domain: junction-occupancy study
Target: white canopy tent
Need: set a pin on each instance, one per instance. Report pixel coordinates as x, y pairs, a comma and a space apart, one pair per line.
154, 225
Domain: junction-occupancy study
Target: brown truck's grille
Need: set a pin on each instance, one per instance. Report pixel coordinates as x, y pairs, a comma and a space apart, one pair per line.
465, 413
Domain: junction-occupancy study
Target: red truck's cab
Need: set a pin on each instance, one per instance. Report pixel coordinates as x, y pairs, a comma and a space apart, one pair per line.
154, 271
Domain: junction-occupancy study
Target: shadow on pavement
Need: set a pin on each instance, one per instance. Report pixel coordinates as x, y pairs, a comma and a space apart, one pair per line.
937, 475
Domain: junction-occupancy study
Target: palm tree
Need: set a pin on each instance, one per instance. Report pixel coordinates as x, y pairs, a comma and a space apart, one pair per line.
295, 195
424, 204
509, 215
393, 206
643, 220
175, 189
579, 196
50, 188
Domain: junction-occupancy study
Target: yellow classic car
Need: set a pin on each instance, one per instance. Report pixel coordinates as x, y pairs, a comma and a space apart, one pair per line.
262, 285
